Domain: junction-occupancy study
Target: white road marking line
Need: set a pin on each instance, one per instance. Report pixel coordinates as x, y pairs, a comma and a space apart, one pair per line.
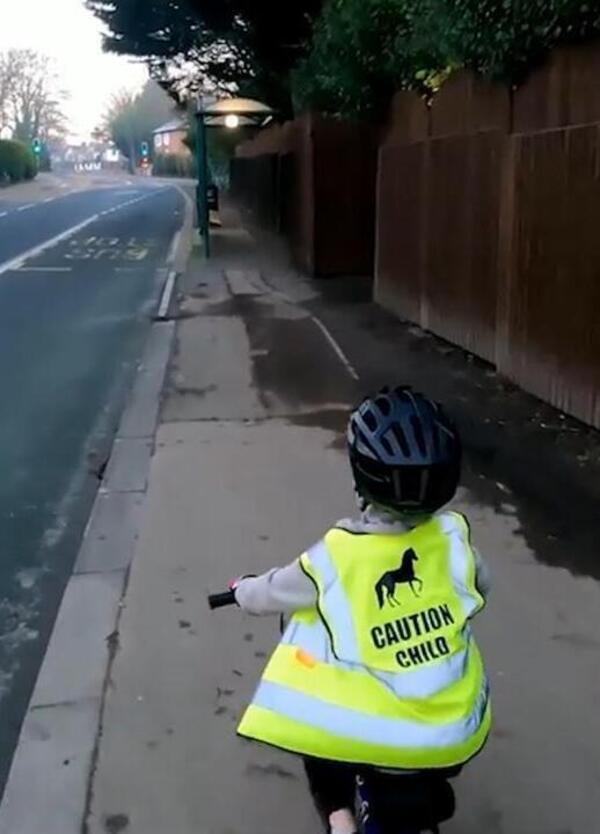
174, 247
165, 301
336, 347
45, 269
338, 350
41, 202
16, 263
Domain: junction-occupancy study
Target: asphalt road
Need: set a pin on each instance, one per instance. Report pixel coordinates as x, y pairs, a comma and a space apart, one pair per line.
73, 319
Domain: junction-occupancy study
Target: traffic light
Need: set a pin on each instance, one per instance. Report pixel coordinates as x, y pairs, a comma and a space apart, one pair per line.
36, 146
145, 150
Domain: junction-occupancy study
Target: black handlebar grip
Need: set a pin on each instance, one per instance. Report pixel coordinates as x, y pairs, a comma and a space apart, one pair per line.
221, 600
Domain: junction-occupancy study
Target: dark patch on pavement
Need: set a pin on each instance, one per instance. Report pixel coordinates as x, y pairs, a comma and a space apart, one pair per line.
272, 769
184, 624
112, 641
491, 821
285, 352
115, 823
501, 734
577, 641
248, 638
334, 420
184, 391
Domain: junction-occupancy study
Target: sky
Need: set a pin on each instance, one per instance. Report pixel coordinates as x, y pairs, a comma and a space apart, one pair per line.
71, 35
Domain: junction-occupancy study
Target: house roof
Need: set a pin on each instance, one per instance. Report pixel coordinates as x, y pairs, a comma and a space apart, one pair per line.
172, 126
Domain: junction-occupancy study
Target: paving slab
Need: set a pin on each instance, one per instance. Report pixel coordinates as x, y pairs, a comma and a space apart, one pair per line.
141, 415
213, 372
111, 535
50, 770
127, 470
74, 668
244, 282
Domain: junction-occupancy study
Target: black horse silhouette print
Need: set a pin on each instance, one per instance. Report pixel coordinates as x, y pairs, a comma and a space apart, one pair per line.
405, 575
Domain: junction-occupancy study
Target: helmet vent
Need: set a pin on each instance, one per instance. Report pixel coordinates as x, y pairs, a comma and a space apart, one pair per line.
387, 445
402, 441
370, 420
419, 436
384, 405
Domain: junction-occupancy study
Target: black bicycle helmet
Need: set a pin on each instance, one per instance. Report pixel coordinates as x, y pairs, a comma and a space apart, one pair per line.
404, 451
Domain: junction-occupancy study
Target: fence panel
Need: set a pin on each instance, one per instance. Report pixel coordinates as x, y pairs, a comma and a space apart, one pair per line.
345, 160
553, 338
465, 104
409, 119
254, 180
401, 228
461, 275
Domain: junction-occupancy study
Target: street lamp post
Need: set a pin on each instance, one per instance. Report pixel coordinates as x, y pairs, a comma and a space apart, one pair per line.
231, 113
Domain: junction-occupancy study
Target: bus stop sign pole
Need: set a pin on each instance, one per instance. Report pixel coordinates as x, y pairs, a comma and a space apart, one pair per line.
202, 190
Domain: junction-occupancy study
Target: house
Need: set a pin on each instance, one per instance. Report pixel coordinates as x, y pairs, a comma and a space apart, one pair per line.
169, 138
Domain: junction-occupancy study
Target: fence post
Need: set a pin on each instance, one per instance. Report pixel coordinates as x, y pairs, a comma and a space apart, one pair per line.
425, 243
507, 270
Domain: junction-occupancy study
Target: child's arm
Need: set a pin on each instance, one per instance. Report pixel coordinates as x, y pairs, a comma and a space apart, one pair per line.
482, 575
280, 591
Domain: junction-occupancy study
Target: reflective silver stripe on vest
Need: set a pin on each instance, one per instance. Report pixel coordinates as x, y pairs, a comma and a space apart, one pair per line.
414, 683
461, 563
353, 725
346, 644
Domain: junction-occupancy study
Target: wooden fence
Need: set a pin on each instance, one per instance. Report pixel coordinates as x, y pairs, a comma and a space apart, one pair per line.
314, 180
484, 220
488, 209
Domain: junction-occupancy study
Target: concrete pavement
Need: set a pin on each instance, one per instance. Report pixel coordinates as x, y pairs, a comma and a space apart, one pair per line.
49, 185
249, 469
45, 185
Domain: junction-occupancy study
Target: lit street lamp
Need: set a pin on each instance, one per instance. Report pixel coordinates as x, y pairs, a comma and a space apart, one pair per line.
231, 113
232, 121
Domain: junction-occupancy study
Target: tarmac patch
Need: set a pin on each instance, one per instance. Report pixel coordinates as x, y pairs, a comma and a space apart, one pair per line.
270, 770
116, 823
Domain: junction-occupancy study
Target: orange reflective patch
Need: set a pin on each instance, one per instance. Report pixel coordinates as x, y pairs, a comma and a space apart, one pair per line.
306, 659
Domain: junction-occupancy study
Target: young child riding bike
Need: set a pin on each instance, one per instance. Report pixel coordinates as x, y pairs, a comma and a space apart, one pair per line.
378, 667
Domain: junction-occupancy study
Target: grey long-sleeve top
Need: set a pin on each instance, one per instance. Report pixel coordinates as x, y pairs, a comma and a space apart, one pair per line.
286, 590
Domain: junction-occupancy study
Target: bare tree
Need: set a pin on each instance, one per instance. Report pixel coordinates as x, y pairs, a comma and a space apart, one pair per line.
131, 118
8, 70
30, 97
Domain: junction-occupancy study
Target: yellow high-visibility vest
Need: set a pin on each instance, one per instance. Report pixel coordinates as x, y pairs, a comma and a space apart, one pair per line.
386, 672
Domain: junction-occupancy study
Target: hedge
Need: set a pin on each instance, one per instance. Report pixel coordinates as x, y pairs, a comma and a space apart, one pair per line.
362, 51
174, 165
17, 162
